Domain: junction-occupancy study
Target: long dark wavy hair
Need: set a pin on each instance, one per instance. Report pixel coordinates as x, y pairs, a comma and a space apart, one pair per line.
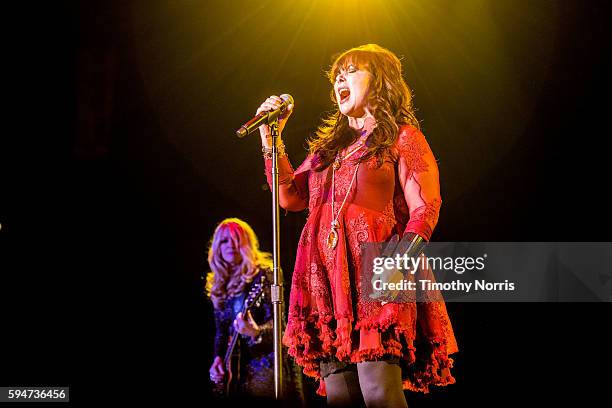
389, 100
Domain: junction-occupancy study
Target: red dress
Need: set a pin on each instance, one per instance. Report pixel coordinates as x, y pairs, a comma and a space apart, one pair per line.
326, 317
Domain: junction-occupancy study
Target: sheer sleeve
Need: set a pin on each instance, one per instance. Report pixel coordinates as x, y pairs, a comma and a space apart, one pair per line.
222, 326
293, 185
418, 175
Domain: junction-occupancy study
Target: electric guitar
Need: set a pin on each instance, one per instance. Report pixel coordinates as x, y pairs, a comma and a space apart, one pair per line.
225, 387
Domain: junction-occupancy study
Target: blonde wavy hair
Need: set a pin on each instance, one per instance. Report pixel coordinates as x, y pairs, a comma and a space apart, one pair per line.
389, 100
226, 281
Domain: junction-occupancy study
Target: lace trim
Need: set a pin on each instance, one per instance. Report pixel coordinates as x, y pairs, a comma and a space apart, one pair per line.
428, 212
412, 148
312, 339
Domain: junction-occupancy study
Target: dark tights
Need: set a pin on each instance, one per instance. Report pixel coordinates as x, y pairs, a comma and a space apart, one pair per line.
372, 384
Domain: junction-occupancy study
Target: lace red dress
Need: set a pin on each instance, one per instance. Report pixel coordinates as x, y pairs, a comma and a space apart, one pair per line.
326, 319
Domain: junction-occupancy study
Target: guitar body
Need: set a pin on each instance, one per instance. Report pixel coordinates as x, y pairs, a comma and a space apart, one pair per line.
231, 362
229, 385
232, 370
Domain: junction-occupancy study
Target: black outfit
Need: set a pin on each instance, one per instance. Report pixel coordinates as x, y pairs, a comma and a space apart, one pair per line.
256, 371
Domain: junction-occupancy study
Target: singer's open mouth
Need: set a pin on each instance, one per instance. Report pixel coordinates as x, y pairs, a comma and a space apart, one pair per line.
344, 94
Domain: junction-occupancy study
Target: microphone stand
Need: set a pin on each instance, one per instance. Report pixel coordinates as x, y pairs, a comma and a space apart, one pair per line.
277, 285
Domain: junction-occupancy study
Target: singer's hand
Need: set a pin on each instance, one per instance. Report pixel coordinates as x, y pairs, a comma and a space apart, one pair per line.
272, 103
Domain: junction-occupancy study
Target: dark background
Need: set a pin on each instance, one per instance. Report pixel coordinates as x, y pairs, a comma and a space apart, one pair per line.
119, 159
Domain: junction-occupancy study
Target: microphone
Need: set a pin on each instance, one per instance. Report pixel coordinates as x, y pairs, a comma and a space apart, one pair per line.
265, 118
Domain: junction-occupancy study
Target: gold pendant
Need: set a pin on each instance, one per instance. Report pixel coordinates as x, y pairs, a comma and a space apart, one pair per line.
332, 238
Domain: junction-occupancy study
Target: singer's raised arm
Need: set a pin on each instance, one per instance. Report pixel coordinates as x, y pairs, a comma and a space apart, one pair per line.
293, 185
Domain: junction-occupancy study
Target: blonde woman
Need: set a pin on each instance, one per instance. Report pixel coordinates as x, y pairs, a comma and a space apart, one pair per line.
237, 264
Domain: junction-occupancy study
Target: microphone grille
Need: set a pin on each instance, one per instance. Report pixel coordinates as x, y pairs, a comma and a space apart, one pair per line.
287, 98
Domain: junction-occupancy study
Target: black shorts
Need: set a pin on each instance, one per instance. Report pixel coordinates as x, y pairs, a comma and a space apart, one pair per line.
334, 366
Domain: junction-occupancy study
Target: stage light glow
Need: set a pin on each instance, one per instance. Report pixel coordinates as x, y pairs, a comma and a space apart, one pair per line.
474, 65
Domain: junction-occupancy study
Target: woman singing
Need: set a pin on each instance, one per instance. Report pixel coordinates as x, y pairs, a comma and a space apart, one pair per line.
369, 174
238, 266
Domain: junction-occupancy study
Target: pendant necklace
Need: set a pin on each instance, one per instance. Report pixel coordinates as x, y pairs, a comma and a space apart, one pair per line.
332, 237
339, 158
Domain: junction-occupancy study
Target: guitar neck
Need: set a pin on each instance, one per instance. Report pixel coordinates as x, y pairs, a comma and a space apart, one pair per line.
232, 344
245, 308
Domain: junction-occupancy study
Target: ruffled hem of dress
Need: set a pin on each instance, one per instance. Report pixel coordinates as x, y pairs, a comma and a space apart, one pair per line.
434, 370
423, 370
